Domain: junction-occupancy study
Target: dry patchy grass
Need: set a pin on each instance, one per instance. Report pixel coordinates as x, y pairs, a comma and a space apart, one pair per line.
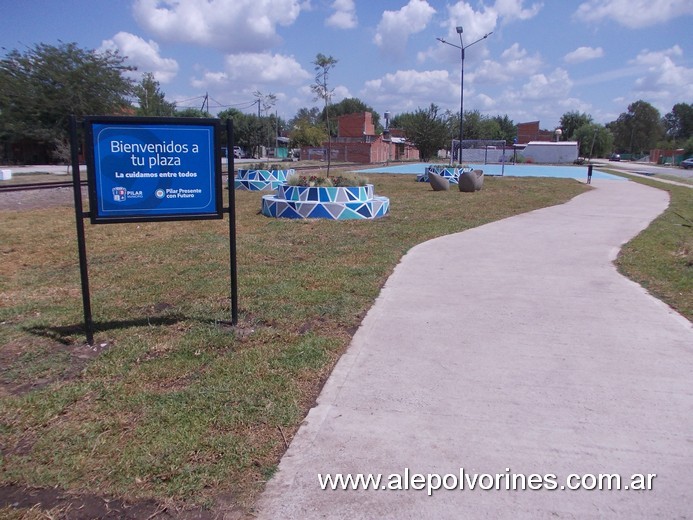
172, 404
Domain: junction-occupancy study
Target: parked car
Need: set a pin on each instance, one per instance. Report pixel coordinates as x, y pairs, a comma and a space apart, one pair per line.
238, 153
687, 163
614, 157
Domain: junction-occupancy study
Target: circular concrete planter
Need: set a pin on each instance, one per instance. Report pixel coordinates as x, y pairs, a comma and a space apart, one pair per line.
329, 202
261, 180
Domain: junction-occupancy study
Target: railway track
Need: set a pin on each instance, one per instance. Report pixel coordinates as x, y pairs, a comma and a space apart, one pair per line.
68, 184
37, 186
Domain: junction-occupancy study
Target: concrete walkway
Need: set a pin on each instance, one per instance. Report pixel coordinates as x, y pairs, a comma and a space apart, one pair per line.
533, 356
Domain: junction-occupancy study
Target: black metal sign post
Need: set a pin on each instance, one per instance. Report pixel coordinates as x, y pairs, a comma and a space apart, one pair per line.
231, 210
81, 242
147, 170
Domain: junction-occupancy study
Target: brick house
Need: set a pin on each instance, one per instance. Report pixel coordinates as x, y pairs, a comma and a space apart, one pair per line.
358, 142
530, 131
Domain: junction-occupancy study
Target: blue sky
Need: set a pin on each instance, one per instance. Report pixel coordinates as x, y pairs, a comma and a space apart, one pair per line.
544, 58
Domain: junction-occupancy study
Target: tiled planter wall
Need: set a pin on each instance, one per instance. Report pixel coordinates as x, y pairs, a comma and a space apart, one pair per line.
259, 180
336, 203
451, 174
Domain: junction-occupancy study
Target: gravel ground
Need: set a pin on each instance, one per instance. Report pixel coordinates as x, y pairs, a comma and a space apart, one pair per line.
35, 199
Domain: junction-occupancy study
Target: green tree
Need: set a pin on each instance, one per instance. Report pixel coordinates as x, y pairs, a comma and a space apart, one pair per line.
678, 123
306, 115
595, 140
192, 112
452, 123
426, 129
490, 129
571, 121
306, 128
247, 128
323, 65
41, 87
471, 126
269, 122
307, 134
478, 126
508, 129
151, 101
638, 130
688, 146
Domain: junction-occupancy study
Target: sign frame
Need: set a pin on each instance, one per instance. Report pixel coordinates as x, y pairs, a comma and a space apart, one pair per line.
132, 131
216, 190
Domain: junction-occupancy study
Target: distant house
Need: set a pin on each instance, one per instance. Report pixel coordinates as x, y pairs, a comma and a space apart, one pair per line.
659, 156
527, 132
357, 142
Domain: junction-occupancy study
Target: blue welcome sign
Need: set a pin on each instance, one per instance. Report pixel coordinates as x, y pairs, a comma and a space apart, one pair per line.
149, 169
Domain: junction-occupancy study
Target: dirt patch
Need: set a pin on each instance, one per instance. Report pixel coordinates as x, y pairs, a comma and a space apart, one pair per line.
37, 199
24, 502
27, 367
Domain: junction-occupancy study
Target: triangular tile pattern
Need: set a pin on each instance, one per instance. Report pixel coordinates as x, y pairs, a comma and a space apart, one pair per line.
261, 180
344, 203
451, 174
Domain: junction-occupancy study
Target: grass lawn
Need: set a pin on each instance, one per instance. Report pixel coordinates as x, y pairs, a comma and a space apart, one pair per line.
661, 257
676, 178
173, 405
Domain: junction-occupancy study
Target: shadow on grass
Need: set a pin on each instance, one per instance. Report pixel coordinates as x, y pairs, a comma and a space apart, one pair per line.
65, 334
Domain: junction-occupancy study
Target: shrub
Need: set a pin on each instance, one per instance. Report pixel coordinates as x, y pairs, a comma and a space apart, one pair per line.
264, 166
339, 181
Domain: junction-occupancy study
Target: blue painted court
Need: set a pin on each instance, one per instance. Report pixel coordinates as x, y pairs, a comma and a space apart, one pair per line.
510, 170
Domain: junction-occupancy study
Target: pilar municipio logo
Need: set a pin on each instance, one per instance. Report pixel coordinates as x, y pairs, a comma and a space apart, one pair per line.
119, 194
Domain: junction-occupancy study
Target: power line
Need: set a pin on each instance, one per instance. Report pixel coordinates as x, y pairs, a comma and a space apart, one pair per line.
190, 99
206, 99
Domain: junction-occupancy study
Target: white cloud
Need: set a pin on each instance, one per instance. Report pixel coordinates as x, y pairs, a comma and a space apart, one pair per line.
245, 73
228, 25
344, 16
407, 90
339, 93
633, 14
664, 82
265, 68
515, 63
542, 87
252, 70
485, 102
144, 55
650, 59
211, 79
583, 54
514, 9
395, 27
474, 23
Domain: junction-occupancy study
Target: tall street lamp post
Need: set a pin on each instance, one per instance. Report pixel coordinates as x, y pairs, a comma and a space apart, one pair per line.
462, 47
